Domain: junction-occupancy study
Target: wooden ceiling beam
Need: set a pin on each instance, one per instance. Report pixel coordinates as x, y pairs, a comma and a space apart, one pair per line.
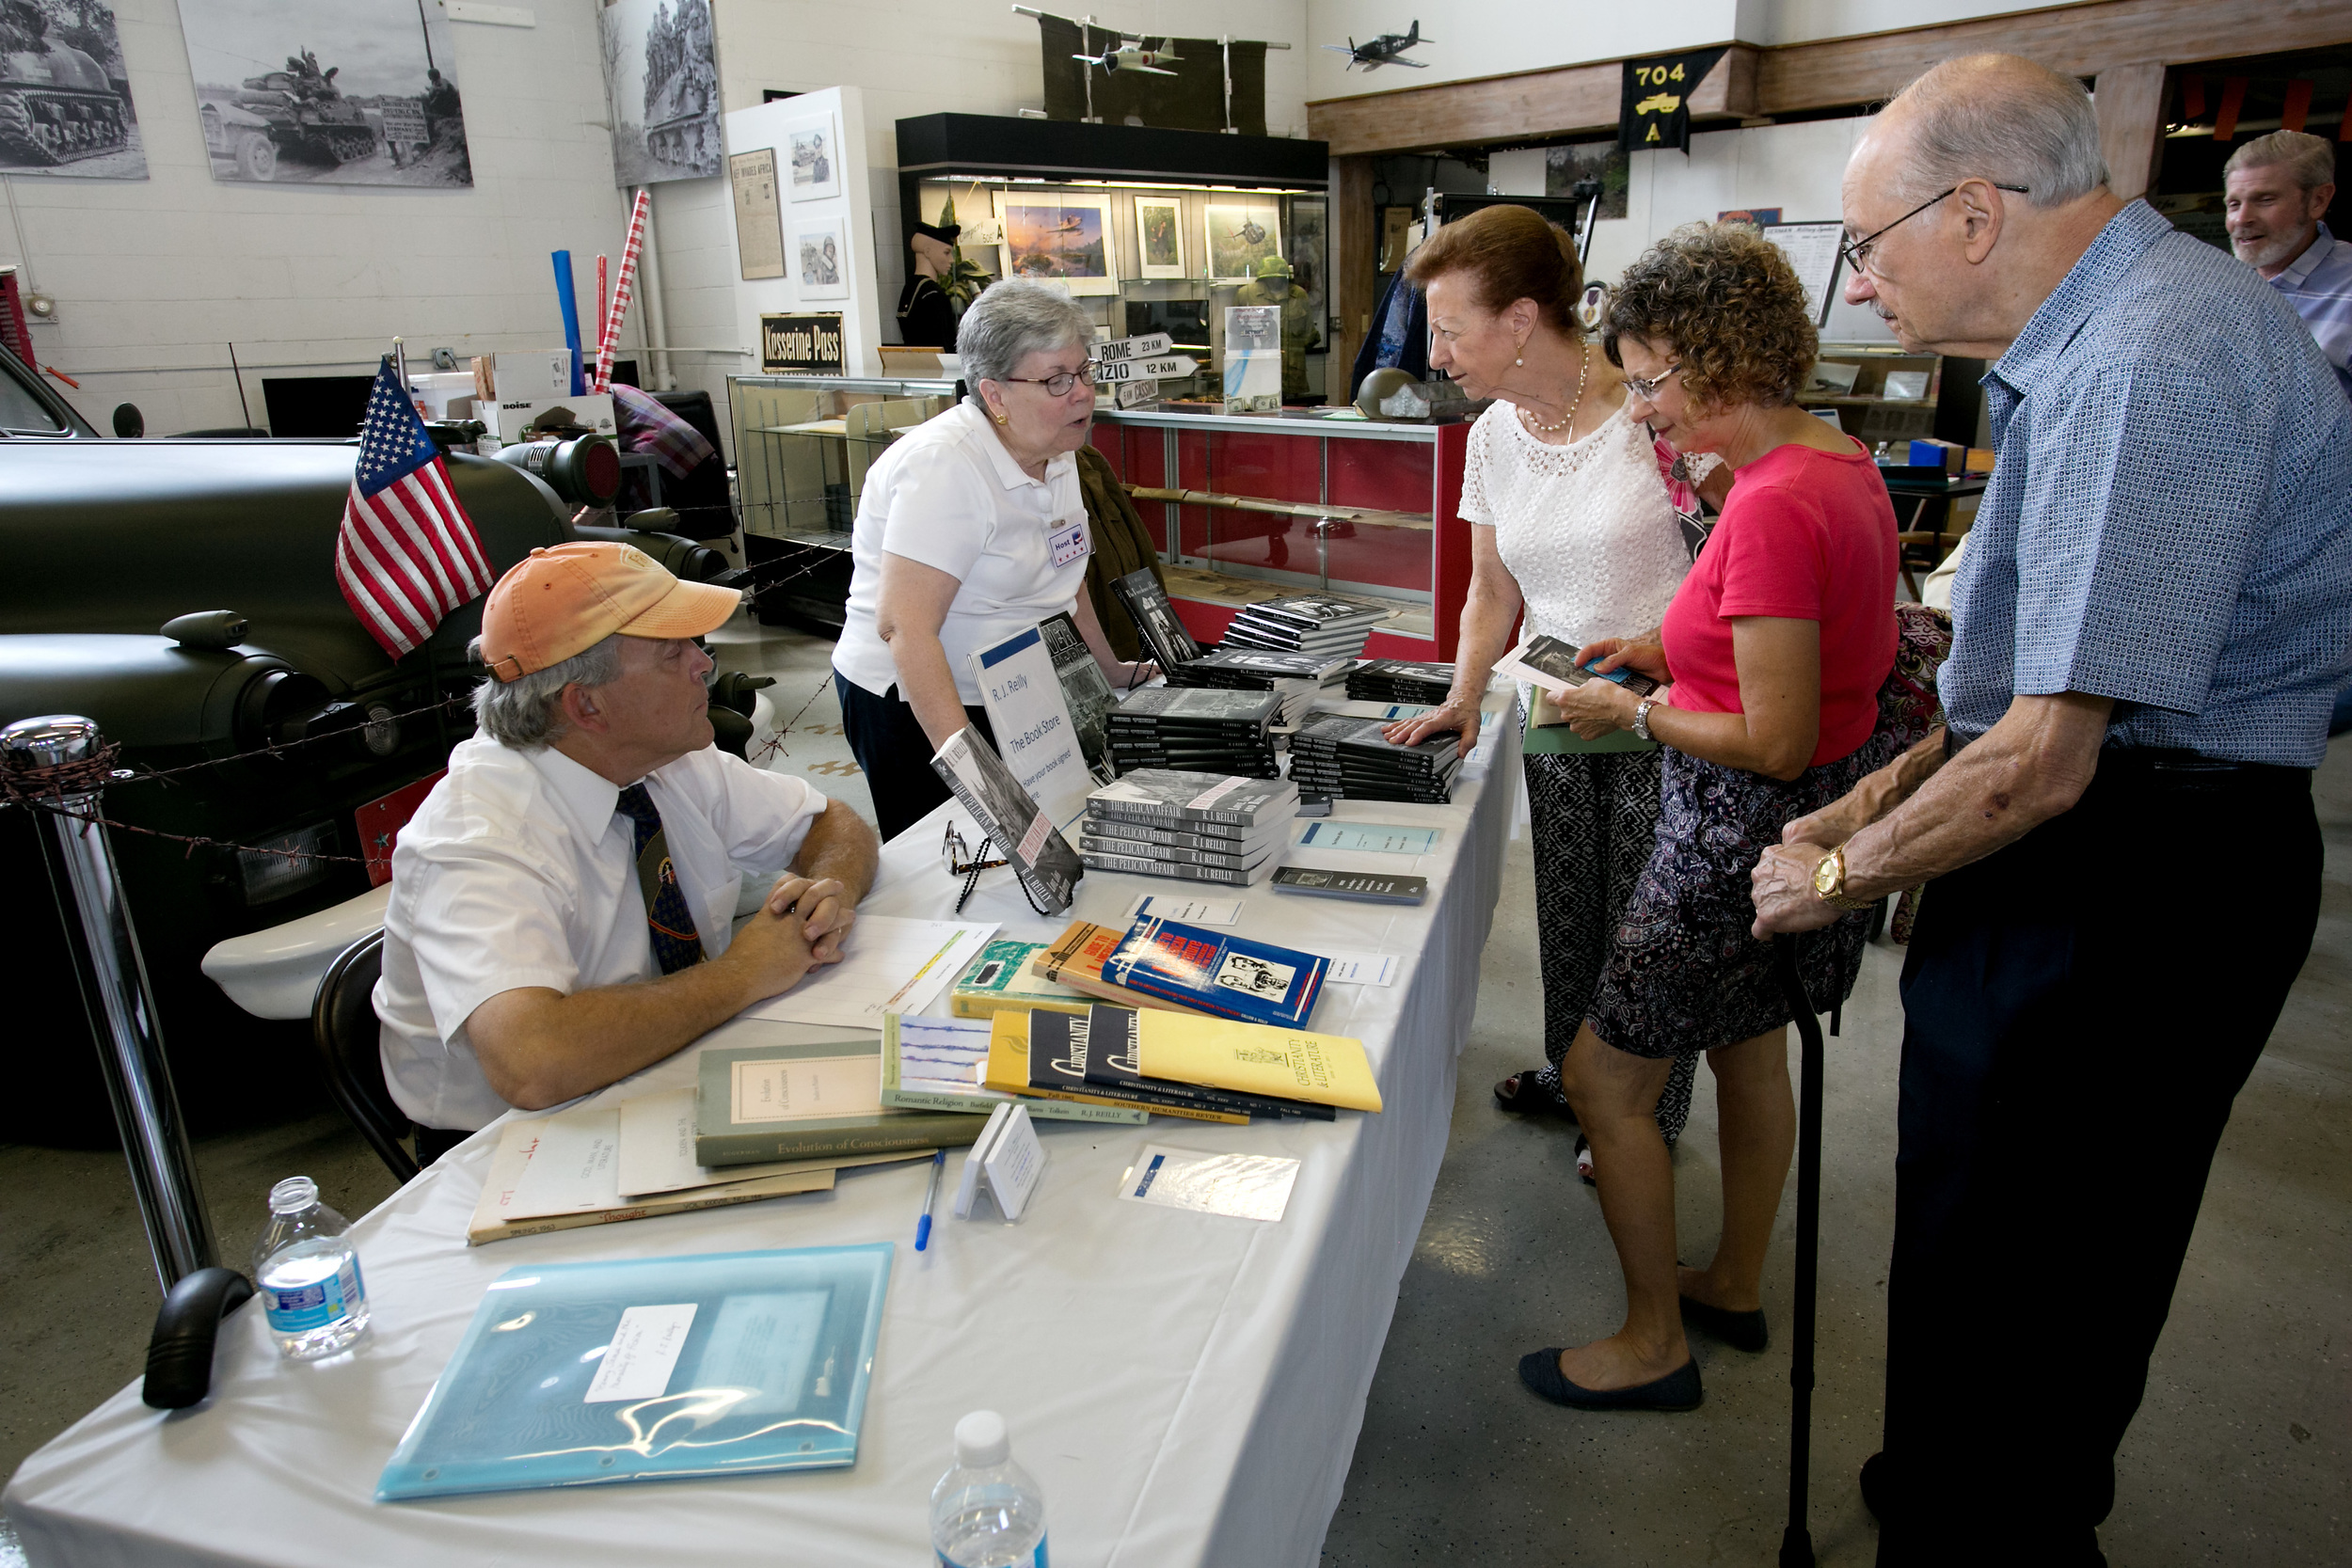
1582, 100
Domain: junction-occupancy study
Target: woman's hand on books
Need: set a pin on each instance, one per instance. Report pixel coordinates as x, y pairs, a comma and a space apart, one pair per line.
1459, 714
1625, 653
1598, 707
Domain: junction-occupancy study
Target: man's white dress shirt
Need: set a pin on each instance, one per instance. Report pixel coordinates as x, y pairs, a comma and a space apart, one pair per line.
517, 871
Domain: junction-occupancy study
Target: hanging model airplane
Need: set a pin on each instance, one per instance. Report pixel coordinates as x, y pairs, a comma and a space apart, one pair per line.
1134, 58
1387, 49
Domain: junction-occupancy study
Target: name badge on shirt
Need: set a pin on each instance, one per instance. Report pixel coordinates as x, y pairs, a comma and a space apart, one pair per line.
1070, 544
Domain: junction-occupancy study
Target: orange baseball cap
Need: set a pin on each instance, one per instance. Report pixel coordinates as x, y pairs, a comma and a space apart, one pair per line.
564, 599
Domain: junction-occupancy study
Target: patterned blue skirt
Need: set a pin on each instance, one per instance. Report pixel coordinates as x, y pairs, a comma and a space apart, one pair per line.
1684, 974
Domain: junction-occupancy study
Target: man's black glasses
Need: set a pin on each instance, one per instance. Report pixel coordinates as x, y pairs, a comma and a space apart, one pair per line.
1857, 254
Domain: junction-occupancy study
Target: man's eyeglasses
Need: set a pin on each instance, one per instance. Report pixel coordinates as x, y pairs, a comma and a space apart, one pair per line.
1857, 254
1058, 384
1648, 391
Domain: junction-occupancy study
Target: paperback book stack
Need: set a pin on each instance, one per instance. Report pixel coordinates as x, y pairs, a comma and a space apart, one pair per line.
1400, 680
1193, 826
1198, 730
1333, 755
1296, 678
1304, 624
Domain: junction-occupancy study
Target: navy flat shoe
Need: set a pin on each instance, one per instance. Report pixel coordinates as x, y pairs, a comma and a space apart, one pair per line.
1740, 1330
1678, 1390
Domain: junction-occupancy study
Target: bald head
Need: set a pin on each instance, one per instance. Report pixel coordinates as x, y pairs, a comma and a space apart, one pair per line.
1991, 116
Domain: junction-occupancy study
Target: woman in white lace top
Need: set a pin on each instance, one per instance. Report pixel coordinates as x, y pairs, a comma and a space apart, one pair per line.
1574, 527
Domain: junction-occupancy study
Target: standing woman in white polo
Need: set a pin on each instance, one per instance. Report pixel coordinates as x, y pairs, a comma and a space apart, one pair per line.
972, 527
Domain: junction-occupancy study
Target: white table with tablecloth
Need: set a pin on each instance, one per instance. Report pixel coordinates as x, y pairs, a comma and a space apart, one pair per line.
1186, 1388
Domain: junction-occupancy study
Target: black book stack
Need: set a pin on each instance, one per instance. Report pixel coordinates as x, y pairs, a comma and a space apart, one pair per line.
1335, 756
1196, 731
1304, 624
1194, 826
1298, 678
1400, 680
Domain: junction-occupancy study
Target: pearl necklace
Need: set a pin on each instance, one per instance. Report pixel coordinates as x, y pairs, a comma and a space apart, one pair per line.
1584, 368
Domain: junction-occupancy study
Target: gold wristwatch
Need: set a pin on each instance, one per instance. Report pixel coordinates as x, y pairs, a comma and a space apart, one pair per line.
1829, 882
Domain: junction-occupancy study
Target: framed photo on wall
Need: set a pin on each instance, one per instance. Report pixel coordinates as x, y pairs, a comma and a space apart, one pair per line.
1241, 232
1160, 236
814, 153
1058, 237
820, 257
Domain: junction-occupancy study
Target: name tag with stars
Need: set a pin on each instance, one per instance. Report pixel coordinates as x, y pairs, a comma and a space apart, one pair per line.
1070, 544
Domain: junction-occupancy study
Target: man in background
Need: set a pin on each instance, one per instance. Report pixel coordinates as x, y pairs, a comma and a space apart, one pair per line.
2278, 187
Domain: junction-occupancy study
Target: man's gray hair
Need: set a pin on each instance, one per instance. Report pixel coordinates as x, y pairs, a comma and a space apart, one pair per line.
526, 712
2311, 159
1012, 321
2004, 118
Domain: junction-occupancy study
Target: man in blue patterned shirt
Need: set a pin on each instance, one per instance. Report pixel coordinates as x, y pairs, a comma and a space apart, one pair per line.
2154, 618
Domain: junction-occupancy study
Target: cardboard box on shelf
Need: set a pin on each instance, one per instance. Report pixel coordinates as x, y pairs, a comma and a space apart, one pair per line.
514, 373
443, 394
512, 419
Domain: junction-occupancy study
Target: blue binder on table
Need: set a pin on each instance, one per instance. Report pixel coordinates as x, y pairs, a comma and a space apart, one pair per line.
577, 1374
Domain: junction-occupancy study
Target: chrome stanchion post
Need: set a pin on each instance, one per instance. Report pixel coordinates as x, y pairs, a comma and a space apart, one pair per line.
123, 1011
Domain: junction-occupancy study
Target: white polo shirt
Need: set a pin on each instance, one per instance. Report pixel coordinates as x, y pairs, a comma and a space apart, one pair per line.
948, 495
518, 871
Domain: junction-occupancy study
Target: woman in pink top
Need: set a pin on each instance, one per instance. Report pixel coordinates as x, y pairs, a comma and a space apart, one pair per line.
1776, 646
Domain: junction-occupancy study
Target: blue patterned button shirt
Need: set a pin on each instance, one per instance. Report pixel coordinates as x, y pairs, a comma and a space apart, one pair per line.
2170, 517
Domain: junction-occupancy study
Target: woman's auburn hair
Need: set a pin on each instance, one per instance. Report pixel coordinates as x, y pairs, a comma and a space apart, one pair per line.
1725, 304
1510, 254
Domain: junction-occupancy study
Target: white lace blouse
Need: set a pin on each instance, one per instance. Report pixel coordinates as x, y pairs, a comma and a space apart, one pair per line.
1585, 528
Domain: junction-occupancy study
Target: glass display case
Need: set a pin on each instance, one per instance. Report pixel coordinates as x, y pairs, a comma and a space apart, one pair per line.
803, 446
1253, 507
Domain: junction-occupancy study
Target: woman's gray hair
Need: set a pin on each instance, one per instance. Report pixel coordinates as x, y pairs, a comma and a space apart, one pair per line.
526, 712
2004, 118
1012, 320
2312, 160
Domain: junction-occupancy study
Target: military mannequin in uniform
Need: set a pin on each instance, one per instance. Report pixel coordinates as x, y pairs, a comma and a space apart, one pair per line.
1272, 286
927, 317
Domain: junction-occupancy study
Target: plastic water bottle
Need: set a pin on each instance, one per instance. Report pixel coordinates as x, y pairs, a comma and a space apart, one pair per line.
307, 1275
986, 1512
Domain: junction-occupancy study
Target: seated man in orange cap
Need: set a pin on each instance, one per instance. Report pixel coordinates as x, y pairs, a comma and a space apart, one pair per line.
562, 903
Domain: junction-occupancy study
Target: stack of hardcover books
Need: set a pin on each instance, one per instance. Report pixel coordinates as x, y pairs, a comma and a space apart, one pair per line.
1193, 826
1333, 755
1298, 678
1304, 624
1400, 680
1200, 731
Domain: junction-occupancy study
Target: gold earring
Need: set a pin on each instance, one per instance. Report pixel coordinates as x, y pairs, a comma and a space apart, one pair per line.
1004, 419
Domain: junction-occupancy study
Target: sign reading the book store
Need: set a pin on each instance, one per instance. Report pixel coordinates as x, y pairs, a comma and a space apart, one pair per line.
1655, 110
810, 345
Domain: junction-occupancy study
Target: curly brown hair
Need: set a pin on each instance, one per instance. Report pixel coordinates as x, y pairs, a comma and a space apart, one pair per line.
1722, 299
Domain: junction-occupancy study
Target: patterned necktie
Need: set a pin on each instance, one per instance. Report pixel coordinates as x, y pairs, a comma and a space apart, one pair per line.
676, 943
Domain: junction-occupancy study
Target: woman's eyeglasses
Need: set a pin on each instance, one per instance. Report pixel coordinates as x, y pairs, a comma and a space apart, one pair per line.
1648, 391
1058, 384
959, 859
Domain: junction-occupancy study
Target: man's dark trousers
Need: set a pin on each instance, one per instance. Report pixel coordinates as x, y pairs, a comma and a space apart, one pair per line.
2081, 1008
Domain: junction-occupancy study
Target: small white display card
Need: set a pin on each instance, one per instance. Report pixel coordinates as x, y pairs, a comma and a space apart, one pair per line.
1189, 911
1362, 969
1378, 838
645, 1348
1003, 1164
1246, 1186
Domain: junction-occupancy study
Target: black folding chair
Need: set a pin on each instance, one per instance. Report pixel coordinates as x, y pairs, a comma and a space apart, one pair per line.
343, 1027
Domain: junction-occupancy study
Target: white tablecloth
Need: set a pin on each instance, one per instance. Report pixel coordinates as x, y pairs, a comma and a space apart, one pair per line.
1186, 1388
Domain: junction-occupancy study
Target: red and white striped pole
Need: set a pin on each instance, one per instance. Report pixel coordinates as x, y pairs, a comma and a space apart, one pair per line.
618, 311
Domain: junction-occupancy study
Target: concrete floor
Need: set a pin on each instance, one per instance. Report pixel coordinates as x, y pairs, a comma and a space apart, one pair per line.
2241, 1454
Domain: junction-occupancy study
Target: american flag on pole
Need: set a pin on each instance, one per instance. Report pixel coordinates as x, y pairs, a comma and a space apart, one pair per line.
407, 554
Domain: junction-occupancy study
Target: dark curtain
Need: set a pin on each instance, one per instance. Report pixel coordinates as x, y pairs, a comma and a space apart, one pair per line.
1121, 545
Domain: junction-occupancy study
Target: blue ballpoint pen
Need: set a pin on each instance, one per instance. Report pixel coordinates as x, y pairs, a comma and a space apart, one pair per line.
930, 1200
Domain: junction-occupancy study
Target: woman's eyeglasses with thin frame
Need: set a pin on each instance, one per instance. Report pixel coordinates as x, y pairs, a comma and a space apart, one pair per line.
1059, 384
1648, 391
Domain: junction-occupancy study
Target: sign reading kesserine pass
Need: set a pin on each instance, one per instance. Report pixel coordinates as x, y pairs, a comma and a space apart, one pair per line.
808, 344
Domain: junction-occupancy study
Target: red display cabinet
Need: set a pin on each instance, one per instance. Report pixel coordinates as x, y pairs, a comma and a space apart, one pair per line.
1245, 508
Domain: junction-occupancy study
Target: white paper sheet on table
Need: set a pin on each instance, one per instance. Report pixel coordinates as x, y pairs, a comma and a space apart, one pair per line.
1191, 911
576, 1168
1362, 969
658, 1148
1246, 1186
890, 965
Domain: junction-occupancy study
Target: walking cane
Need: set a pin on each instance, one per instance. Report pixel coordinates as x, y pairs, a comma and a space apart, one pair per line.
1796, 1541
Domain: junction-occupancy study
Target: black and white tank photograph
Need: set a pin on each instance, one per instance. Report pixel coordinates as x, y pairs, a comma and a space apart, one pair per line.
337, 92
65, 94
662, 79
